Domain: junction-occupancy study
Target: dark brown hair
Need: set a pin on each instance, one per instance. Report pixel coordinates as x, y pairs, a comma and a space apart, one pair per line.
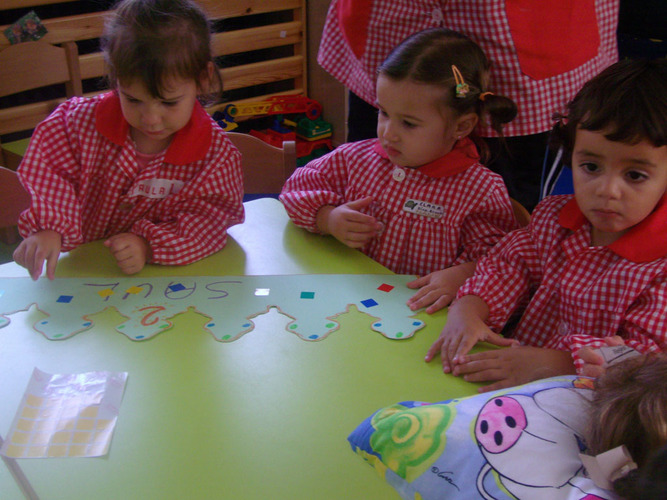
628, 101
427, 57
629, 407
154, 40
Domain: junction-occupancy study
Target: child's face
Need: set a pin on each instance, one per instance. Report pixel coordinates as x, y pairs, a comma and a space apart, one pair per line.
616, 185
154, 121
414, 128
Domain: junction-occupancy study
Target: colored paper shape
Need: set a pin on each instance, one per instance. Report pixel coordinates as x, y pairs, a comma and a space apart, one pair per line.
229, 302
71, 415
107, 292
369, 303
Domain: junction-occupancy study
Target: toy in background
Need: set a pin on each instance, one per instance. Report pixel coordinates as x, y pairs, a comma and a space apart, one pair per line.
296, 118
28, 28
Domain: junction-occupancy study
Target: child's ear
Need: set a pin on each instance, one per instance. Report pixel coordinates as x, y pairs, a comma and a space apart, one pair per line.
465, 124
207, 77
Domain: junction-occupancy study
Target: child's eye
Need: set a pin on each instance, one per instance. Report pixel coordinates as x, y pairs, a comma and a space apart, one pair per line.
589, 167
382, 113
170, 103
636, 176
407, 124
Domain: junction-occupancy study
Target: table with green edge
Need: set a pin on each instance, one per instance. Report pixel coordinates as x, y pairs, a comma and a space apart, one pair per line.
263, 417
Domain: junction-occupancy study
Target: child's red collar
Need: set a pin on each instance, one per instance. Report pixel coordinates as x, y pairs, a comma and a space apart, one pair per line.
189, 144
645, 242
460, 158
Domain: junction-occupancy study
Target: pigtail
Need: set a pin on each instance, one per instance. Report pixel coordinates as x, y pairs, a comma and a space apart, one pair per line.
561, 137
627, 486
499, 110
645, 483
494, 110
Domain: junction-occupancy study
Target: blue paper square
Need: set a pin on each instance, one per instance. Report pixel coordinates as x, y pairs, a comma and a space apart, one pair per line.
307, 295
369, 302
65, 299
177, 287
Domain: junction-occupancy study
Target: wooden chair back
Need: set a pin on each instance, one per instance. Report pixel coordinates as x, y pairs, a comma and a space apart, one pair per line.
265, 167
28, 66
14, 199
520, 212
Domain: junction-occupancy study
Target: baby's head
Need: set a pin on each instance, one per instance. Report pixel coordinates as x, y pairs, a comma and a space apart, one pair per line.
615, 132
153, 42
629, 408
436, 81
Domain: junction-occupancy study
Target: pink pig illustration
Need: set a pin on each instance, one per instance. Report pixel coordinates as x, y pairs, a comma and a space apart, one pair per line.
532, 443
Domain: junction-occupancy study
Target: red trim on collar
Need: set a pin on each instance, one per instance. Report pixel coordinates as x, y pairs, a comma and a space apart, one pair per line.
109, 119
189, 144
571, 216
645, 242
463, 156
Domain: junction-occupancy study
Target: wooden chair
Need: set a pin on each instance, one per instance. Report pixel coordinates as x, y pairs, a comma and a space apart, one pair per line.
32, 65
520, 212
14, 199
265, 167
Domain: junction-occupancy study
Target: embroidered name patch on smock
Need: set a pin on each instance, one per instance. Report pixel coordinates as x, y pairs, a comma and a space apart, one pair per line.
156, 188
423, 208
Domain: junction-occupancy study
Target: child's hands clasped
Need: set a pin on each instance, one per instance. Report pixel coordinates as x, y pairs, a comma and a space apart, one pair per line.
130, 251
348, 224
438, 289
37, 248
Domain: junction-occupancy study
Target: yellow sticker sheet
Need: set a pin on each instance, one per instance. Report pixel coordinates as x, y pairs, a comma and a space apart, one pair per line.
66, 415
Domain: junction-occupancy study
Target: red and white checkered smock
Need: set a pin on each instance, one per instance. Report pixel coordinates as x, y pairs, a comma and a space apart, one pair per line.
577, 294
459, 208
82, 174
542, 52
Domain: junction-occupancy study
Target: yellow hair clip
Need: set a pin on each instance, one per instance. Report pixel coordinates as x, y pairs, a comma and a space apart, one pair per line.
462, 87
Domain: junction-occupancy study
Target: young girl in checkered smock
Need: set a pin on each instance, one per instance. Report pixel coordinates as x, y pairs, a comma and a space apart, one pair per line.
142, 167
591, 266
417, 199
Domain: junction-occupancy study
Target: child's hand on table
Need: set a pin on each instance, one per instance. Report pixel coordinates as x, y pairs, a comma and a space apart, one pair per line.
465, 327
347, 224
37, 248
438, 289
513, 366
130, 251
